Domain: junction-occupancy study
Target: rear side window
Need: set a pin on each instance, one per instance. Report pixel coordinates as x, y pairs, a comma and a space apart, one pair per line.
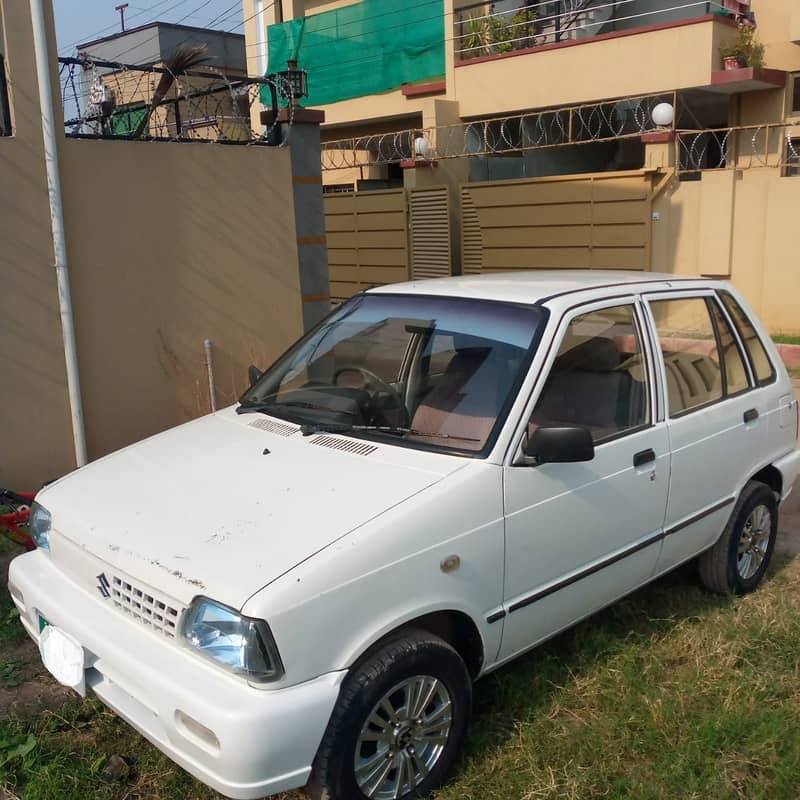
691, 354
599, 378
756, 352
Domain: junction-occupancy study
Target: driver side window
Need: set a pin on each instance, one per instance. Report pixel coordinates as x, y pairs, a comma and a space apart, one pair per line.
599, 378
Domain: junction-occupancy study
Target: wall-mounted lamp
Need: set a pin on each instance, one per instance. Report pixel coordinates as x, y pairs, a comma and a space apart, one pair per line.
663, 115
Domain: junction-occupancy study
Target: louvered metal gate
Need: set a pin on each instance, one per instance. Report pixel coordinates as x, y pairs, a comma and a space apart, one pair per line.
367, 235
429, 231
387, 236
600, 221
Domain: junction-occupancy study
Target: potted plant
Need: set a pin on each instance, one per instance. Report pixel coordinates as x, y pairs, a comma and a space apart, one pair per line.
745, 51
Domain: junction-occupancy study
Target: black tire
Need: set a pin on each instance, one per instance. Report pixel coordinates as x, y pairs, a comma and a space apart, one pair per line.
412, 654
720, 567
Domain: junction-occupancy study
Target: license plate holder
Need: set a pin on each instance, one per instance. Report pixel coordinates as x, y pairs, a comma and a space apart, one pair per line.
63, 656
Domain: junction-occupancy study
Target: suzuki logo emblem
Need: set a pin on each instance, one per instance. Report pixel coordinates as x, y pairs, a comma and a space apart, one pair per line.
103, 586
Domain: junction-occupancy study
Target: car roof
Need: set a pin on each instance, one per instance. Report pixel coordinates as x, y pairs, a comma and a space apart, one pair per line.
536, 286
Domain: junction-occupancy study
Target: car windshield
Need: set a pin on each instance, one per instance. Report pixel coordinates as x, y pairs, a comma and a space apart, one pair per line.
425, 371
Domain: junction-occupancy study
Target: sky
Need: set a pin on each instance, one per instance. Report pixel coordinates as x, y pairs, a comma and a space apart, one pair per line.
84, 20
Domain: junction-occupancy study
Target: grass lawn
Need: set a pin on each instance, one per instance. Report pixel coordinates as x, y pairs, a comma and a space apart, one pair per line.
673, 693
785, 338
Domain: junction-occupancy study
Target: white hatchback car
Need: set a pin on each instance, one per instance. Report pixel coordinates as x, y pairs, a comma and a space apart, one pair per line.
300, 590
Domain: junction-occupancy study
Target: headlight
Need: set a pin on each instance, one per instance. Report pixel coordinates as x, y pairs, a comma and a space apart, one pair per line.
242, 645
40, 523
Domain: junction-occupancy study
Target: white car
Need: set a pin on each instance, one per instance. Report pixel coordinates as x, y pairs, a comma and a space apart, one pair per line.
301, 589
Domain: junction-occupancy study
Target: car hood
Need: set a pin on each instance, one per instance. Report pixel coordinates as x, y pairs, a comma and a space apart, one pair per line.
221, 507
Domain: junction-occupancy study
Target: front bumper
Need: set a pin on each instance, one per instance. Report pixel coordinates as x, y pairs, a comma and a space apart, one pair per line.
243, 742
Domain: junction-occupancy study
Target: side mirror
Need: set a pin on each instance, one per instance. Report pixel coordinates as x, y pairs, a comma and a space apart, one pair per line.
254, 374
560, 445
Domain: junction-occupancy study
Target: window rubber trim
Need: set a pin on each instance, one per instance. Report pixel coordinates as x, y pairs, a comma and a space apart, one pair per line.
722, 293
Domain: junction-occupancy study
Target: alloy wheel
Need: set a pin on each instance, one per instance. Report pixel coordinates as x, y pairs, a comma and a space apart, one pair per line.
403, 738
754, 542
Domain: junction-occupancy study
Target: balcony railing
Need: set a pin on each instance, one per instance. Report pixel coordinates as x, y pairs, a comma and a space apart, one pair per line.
487, 29
746, 147
569, 126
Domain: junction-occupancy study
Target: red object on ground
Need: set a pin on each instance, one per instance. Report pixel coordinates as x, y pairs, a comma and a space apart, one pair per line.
14, 525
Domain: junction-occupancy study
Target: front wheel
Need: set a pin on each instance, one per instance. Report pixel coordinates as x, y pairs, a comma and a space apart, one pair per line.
399, 724
737, 562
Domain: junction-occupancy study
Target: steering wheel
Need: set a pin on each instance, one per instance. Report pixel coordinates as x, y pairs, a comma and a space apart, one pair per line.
379, 383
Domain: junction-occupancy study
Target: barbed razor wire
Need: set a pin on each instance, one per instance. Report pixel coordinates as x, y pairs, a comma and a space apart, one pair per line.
774, 145
112, 100
606, 121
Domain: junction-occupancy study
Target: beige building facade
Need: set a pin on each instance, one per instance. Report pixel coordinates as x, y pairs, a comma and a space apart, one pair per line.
535, 95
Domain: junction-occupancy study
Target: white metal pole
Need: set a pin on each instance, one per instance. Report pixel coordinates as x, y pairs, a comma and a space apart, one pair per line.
261, 38
212, 389
41, 52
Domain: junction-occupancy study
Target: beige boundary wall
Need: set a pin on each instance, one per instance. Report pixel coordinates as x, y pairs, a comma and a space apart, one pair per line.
168, 244
35, 436
741, 226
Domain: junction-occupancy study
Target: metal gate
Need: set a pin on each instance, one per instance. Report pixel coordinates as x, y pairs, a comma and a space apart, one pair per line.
430, 232
596, 222
367, 240
387, 236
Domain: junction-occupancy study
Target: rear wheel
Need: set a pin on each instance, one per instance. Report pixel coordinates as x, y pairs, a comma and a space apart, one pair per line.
737, 562
399, 724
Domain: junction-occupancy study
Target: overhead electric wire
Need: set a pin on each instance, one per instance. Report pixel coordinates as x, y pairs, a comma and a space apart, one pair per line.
362, 20
192, 13
224, 15
93, 36
381, 56
153, 38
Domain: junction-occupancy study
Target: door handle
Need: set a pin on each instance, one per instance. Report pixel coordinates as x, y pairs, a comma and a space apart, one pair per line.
644, 457
751, 415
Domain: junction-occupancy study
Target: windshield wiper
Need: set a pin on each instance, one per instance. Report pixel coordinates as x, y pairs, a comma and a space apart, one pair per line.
271, 408
335, 427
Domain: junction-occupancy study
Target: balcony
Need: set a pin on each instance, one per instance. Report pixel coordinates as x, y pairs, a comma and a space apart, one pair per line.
541, 59
484, 30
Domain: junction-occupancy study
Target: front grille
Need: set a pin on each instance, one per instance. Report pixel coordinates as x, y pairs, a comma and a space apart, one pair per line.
145, 607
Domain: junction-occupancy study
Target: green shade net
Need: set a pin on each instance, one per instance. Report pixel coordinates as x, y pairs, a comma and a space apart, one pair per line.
363, 49
125, 120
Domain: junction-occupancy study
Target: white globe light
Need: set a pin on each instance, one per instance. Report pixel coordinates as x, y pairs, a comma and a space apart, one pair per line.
422, 147
663, 115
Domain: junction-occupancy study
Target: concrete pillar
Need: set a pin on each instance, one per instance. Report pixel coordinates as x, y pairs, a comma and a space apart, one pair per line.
303, 137
659, 149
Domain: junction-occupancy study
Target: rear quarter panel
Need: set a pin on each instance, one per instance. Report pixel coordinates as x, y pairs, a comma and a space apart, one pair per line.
777, 402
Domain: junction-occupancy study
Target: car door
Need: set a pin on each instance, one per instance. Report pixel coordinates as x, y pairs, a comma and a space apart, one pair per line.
715, 418
579, 536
